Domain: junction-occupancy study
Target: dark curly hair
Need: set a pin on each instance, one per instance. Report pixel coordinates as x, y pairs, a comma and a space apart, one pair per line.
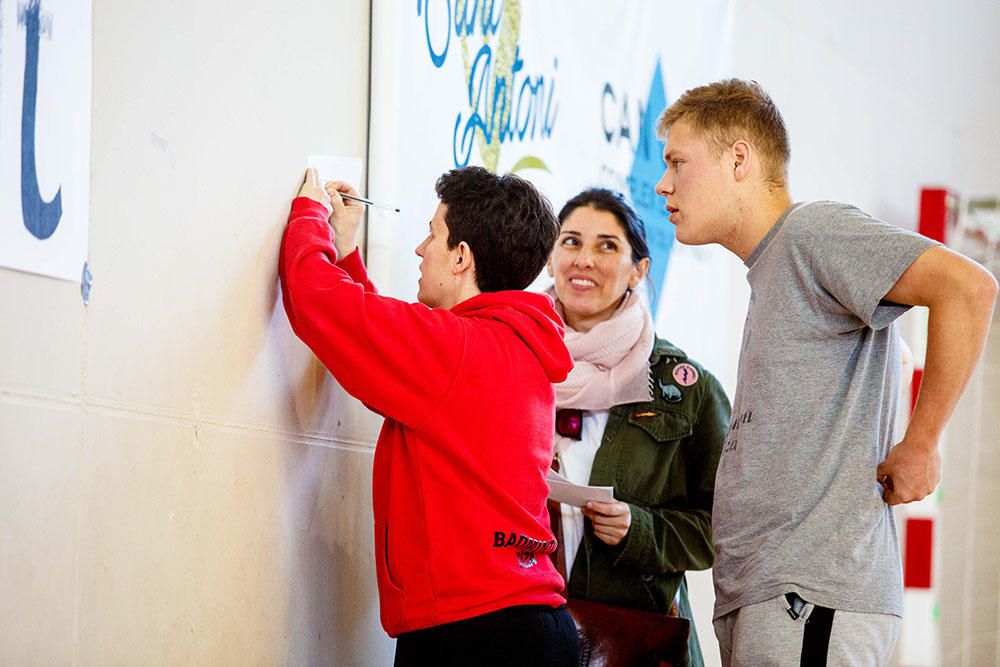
508, 224
614, 203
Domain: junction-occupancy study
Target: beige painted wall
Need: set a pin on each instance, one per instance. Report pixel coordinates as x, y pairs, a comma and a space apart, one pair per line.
180, 481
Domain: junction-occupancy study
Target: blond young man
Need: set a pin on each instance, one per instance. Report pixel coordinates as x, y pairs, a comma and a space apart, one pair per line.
807, 566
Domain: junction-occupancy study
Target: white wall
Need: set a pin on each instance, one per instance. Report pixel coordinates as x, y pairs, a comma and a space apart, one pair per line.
180, 481
967, 566
880, 98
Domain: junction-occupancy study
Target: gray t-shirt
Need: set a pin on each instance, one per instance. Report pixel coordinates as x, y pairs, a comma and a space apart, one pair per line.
797, 506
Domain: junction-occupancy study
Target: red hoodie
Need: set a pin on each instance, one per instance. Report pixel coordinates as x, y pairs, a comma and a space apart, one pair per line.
461, 527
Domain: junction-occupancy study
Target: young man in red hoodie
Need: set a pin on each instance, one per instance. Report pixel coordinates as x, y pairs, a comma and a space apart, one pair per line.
464, 381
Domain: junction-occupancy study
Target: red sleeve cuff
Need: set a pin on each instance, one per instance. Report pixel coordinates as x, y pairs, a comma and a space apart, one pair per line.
304, 206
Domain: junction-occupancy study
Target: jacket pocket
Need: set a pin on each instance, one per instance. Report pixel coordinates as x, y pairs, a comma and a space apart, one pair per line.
650, 470
662, 425
385, 568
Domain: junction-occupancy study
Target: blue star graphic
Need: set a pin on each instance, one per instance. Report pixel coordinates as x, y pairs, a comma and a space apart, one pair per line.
647, 167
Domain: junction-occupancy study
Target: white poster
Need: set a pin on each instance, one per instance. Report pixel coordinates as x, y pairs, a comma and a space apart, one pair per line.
566, 93
45, 89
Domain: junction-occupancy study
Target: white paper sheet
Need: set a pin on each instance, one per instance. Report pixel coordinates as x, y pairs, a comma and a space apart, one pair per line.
337, 168
562, 490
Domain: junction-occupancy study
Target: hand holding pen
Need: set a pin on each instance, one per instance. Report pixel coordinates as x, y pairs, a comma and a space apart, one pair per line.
346, 217
346, 205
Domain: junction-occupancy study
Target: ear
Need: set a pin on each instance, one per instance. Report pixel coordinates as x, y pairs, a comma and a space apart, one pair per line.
639, 271
548, 267
741, 153
464, 260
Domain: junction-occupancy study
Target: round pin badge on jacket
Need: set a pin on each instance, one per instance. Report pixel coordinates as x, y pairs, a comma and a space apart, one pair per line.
685, 375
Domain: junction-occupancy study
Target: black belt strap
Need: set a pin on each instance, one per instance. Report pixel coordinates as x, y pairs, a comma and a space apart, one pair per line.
816, 637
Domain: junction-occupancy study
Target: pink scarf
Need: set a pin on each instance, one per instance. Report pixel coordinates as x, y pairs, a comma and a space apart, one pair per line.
611, 361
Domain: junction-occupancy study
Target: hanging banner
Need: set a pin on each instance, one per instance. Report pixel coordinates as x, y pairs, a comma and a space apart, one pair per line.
45, 92
565, 93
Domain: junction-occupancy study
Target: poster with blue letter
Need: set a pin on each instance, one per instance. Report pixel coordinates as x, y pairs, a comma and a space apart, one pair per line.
45, 93
566, 93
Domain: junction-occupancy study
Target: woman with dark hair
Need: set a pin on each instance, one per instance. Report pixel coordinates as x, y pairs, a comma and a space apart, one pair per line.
635, 413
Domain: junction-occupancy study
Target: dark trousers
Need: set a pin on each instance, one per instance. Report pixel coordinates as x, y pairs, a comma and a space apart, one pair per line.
523, 636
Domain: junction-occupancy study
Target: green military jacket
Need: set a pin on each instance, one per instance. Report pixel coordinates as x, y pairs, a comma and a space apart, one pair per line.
660, 457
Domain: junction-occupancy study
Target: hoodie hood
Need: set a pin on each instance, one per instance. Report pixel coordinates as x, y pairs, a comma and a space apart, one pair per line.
533, 318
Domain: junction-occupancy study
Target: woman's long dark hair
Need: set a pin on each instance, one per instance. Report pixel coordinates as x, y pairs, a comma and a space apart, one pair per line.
614, 203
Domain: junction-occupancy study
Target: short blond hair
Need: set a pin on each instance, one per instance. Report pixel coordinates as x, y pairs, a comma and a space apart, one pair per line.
730, 110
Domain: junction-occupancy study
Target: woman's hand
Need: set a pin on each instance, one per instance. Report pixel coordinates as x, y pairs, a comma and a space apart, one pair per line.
346, 217
610, 520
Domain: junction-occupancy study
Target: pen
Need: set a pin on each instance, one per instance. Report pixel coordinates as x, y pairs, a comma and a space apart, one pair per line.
368, 201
